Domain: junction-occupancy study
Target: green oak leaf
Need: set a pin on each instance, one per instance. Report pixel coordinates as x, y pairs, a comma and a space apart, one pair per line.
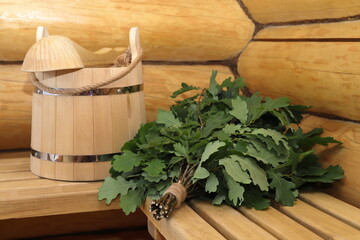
331, 174
257, 174
218, 199
271, 145
236, 191
231, 128
216, 121
126, 162
111, 188
201, 173
155, 179
259, 151
256, 199
275, 135
281, 116
167, 118
154, 167
211, 148
180, 150
213, 88
271, 104
255, 107
234, 170
283, 189
240, 110
211, 183
132, 200
184, 88
311, 141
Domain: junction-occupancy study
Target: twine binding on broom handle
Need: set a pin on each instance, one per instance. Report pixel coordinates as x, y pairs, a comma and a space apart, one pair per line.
74, 91
179, 191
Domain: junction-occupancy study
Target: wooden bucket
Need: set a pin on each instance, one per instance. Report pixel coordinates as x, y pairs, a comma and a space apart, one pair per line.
72, 135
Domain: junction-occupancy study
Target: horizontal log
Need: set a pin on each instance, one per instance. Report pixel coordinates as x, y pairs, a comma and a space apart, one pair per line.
174, 31
266, 11
338, 30
159, 82
346, 155
322, 74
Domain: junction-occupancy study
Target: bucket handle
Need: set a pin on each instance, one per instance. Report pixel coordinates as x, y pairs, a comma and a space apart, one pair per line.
136, 53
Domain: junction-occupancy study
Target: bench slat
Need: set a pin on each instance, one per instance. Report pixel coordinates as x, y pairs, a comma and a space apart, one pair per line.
280, 225
333, 207
230, 223
56, 204
183, 223
42, 197
320, 222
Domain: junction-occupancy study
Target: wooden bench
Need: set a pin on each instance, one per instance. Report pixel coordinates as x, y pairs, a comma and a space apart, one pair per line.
31, 206
316, 215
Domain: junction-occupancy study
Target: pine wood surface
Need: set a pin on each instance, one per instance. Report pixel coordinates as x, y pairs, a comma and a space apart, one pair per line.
200, 28
334, 207
16, 101
272, 11
319, 222
278, 224
230, 223
321, 74
337, 30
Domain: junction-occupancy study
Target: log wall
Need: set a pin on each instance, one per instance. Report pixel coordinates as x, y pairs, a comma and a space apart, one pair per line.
179, 30
277, 11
